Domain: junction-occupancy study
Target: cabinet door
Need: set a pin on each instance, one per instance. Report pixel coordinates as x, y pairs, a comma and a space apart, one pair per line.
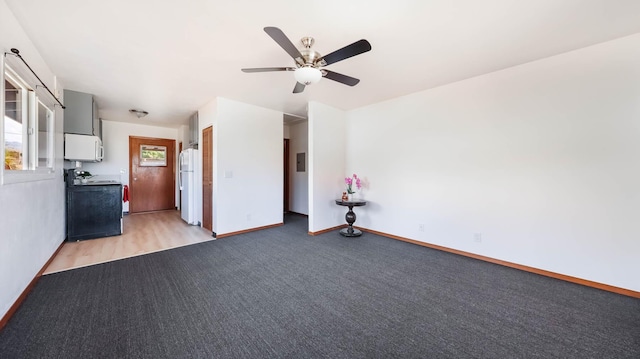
193, 130
94, 211
97, 123
78, 114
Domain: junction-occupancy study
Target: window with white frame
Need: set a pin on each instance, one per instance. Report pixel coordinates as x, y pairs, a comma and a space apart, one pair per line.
28, 127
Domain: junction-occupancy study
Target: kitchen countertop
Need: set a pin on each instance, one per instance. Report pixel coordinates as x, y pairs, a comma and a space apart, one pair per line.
99, 183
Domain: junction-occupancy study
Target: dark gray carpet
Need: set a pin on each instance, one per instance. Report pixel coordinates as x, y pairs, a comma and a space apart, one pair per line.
279, 293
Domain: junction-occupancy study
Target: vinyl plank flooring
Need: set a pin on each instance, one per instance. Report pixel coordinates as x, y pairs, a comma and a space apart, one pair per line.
143, 233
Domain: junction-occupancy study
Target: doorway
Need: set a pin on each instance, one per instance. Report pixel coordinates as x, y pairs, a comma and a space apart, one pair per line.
180, 191
151, 174
285, 204
207, 178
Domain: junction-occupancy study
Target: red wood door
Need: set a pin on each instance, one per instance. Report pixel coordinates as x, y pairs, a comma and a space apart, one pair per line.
151, 184
207, 178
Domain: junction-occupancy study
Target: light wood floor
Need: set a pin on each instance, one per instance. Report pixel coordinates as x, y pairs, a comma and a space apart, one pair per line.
143, 233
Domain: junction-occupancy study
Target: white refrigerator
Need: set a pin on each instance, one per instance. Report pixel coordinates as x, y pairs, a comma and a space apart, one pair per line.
187, 180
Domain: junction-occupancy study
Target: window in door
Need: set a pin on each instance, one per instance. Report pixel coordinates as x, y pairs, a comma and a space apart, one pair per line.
153, 156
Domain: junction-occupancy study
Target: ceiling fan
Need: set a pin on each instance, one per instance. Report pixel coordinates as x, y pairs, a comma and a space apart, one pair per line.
309, 65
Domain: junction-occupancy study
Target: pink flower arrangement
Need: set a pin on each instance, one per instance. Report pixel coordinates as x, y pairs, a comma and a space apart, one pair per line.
349, 182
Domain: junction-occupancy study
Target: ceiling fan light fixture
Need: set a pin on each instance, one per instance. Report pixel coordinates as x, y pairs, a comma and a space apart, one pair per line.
307, 75
139, 113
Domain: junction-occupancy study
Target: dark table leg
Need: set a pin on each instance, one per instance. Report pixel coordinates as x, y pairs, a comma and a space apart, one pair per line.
350, 217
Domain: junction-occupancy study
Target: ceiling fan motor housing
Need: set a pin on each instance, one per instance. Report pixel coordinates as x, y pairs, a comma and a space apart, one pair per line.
309, 57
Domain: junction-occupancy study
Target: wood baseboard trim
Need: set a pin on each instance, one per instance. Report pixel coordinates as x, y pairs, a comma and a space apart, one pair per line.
298, 214
588, 283
248, 230
327, 230
27, 290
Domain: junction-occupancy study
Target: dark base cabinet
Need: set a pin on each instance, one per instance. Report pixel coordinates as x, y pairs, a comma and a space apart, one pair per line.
94, 211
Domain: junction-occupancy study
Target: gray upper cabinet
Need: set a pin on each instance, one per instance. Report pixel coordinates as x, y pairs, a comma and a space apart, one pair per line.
193, 131
81, 114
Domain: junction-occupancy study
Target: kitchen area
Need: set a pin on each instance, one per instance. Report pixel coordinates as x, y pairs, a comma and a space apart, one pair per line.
94, 203
97, 183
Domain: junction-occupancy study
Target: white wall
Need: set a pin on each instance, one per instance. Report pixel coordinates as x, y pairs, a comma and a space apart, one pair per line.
540, 160
326, 158
32, 214
247, 156
115, 139
298, 181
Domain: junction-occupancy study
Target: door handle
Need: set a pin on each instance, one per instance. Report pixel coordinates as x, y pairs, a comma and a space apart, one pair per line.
135, 178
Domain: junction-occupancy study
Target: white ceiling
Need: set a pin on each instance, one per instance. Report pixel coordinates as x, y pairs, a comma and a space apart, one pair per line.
172, 57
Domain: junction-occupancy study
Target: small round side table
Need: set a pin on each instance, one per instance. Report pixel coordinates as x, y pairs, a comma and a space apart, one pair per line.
350, 217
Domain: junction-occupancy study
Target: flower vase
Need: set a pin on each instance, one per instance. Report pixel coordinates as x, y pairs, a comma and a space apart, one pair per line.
350, 197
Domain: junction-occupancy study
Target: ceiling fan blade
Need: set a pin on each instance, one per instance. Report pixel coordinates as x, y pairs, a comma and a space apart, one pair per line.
268, 69
346, 52
299, 88
278, 36
347, 80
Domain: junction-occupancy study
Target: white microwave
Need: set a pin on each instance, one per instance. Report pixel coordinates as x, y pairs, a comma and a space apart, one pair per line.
83, 148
